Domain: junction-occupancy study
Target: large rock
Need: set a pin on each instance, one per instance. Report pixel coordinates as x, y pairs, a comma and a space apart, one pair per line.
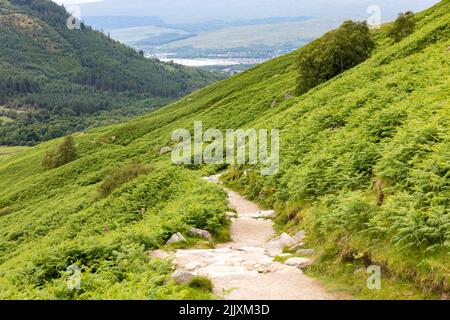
297, 246
275, 246
214, 179
201, 233
298, 262
182, 276
300, 236
266, 214
177, 237
306, 252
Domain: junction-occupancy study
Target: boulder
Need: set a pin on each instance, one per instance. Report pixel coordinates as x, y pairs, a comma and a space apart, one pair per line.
165, 150
201, 233
274, 103
300, 236
262, 215
275, 246
214, 179
267, 214
297, 246
181, 276
306, 252
288, 95
177, 237
298, 262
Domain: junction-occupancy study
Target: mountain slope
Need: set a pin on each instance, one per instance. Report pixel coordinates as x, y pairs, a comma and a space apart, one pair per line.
381, 128
55, 80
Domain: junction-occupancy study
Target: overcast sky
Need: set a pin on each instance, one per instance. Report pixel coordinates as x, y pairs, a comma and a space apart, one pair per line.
202, 10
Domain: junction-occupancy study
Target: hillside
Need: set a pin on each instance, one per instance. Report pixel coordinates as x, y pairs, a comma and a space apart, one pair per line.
379, 128
54, 80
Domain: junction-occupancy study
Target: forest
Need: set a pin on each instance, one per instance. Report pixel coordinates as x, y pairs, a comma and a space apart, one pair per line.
77, 78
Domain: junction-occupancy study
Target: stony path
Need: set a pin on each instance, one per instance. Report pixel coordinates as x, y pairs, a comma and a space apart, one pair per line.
242, 269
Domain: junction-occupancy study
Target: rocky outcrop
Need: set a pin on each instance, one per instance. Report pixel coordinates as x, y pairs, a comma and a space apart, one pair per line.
288, 95
300, 236
176, 238
201, 233
181, 276
306, 252
300, 263
275, 246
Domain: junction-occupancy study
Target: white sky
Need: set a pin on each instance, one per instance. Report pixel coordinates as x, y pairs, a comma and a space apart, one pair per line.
204, 10
72, 2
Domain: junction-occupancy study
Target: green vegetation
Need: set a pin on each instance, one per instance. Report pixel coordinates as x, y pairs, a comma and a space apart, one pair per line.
350, 278
4, 151
65, 153
403, 26
201, 283
364, 168
55, 81
332, 54
120, 176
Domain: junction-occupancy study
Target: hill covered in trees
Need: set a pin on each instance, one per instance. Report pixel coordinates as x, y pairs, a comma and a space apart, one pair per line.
54, 80
364, 168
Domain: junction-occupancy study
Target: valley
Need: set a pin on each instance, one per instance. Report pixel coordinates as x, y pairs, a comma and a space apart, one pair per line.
54, 81
229, 46
362, 182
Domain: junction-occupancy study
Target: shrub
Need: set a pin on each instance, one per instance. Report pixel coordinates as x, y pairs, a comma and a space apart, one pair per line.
121, 175
403, 26
334, 53
65, 153
202, 283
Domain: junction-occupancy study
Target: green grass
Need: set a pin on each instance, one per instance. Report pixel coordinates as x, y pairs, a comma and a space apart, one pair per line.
385, 120
7, 151
349, 280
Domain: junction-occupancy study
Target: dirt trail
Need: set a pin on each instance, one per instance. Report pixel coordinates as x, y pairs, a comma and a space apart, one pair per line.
241, 269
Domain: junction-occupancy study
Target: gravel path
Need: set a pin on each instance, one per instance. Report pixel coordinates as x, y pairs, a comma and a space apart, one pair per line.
241, 269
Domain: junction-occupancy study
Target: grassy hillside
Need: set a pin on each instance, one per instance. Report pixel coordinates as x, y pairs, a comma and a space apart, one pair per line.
364, 167
55, 80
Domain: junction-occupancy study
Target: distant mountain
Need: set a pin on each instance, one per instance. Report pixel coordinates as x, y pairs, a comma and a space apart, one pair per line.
54, 80
121, 22
118, 22
189, 11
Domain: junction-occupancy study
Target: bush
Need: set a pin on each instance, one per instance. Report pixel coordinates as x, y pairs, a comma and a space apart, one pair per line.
403, 26
202, 283
334, 53
65, 153
121, 175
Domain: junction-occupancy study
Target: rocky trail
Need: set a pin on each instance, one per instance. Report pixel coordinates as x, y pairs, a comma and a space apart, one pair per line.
245, 268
